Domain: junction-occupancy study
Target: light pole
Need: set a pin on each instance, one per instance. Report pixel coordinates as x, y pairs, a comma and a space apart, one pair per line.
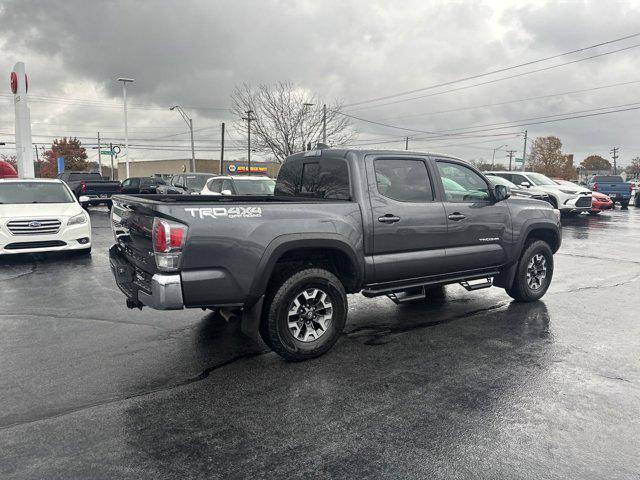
305, 105
126, 130
189, 122
493, 157
249, 119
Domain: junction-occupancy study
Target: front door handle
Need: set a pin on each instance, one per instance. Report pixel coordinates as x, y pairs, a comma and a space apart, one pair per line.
388, 218
456, 216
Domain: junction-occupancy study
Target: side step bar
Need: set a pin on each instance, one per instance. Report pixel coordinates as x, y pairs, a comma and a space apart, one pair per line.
488, 282
381, 289
406, 296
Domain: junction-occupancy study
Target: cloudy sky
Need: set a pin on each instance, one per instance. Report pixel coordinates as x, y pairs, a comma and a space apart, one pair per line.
193, 53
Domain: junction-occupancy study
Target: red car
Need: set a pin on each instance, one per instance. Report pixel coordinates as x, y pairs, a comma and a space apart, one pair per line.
600, 202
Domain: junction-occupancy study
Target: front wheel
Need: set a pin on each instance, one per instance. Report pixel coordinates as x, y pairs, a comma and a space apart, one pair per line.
534, 273
304, 314
624, 203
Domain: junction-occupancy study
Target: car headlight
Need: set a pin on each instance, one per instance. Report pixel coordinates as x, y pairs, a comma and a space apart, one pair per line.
78, 219
568, 192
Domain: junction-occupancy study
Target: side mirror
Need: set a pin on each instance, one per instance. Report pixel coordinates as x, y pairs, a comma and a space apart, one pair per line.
502, 192
83, 199
226, 192
525, 184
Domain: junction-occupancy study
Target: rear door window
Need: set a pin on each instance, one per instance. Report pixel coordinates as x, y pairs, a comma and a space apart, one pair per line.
327, 178
403, 180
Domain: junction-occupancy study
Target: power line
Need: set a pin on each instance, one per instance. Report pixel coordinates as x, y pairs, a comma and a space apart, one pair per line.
507, 102
471, 77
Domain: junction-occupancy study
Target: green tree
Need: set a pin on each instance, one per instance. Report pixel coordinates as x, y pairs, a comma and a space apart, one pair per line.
595, 162
75, 156
546, 156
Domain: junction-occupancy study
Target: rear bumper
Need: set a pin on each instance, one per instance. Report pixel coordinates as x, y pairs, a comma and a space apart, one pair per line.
160, 291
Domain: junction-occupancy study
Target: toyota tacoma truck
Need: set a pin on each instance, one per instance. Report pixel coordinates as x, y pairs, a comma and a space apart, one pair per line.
340, 221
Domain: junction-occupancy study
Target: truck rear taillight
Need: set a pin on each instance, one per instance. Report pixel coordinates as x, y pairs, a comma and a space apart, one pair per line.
168, 240
83, 187
595, 187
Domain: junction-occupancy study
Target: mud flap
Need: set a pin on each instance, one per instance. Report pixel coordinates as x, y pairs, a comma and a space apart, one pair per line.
251, 319
506, 277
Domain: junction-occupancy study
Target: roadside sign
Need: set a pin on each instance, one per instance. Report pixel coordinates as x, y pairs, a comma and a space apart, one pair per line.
105, 152
518, 160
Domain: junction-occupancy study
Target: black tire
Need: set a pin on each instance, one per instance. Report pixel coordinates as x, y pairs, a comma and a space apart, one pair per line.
637, 200
554, 202
85, 206
286, 288
109, 205
624, 203
521, 291
435, 294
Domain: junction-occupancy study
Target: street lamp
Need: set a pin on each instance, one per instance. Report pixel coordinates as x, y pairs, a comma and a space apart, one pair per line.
126, 130
493, 157
189, 122
305, 105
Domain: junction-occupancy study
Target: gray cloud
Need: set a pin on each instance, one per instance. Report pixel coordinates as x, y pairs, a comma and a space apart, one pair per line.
194, 53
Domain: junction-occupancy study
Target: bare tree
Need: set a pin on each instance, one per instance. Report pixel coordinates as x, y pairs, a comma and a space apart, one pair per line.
285, 119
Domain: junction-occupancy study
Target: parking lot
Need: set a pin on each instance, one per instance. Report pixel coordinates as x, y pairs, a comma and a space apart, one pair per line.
472, 387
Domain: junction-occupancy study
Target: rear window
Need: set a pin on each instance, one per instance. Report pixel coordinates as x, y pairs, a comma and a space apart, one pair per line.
608, 178
88, 177
152, 181
326, 178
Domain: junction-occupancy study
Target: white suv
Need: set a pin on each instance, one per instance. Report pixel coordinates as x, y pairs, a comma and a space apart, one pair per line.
565, 198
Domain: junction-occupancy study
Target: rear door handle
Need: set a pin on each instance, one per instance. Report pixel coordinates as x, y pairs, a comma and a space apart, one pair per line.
388, 218
456, 216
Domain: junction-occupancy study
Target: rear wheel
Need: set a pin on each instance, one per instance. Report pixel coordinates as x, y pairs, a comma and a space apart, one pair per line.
534, 273
624, 203
305, 312
637, 200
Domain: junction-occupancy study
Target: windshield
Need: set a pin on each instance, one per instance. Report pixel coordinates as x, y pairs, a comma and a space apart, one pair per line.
196, 182
255, 187
34, 192
495, 180
91, 177
540, 179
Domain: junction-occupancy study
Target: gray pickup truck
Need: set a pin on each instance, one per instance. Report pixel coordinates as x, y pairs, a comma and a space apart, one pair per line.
341, 221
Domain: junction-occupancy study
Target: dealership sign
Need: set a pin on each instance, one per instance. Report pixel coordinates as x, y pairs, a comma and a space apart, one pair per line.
244, 169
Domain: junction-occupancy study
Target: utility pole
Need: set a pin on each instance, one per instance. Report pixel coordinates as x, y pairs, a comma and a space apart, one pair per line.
511, 153
222, 151
37, 160
324, 123
406, 143
614, 154
111, 155
99, 157
524, 153
249, 120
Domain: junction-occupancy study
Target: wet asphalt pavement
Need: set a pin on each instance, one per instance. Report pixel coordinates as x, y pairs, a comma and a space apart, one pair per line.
472, 387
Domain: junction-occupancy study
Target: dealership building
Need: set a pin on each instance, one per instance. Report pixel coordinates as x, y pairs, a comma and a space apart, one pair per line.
146, 168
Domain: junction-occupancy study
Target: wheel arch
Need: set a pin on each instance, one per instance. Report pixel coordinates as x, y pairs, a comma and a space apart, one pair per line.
331, 251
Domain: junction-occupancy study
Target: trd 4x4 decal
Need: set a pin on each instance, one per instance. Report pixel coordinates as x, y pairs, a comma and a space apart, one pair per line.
232, 212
